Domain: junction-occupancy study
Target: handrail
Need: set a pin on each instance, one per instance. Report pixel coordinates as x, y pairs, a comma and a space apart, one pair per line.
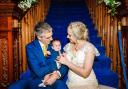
122, 58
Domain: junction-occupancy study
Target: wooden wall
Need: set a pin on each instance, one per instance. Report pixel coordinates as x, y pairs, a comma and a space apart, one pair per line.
14, 39
107, 27
6, 43
125, 44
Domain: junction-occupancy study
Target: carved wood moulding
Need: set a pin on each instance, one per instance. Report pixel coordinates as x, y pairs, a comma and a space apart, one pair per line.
5, 24
16, 57
6, 9
5, 1
4, 60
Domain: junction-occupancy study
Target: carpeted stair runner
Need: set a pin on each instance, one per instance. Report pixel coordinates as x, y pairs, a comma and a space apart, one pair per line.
61, 13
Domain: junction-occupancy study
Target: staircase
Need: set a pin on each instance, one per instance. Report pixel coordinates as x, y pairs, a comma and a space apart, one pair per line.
61, 13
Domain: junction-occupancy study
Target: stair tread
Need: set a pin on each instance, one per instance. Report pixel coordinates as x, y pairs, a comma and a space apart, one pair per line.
105, 87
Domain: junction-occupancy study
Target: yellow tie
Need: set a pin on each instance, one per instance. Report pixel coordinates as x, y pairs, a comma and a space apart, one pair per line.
44, 49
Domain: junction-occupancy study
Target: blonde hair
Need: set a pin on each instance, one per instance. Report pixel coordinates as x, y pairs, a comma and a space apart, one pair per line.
79, 30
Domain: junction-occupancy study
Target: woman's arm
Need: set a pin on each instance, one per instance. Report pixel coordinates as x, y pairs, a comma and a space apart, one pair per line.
81, 71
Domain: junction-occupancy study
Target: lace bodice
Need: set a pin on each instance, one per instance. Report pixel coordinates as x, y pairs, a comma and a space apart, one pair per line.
79, 56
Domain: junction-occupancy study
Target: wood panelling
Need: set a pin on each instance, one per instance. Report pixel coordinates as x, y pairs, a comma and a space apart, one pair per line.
6, 44
6, 9
125, 44
6, 52
3, 23
16, 52
13, 40
5, 1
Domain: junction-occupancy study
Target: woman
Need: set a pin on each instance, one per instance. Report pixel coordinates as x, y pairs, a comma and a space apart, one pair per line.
79, 57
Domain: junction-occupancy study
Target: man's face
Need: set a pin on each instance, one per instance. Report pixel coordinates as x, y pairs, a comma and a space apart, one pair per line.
56, 46
45, 38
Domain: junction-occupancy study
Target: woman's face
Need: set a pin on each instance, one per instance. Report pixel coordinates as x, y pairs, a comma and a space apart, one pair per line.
70, 36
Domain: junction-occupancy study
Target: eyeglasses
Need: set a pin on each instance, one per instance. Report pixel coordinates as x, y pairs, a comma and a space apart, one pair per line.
50, 37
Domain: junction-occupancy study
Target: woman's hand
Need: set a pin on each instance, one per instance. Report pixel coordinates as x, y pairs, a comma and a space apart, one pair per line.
62, 59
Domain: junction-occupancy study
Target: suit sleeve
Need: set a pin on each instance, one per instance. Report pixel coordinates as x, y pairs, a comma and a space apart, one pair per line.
63, 70
38, 66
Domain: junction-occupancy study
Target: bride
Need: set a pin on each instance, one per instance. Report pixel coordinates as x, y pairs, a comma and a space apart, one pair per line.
79, 57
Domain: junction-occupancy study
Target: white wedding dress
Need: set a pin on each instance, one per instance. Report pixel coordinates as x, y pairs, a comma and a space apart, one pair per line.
74, 81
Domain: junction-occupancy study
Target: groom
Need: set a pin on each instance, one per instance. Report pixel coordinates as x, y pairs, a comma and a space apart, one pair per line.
38, 66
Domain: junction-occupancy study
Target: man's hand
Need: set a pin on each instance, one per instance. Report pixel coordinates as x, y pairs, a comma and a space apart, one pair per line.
47, 77
54, 76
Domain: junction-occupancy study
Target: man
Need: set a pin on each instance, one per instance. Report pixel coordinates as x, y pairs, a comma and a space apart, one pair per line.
36, 57
38, 66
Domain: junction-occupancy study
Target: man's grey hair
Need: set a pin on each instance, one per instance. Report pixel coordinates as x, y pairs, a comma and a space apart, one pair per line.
42, 27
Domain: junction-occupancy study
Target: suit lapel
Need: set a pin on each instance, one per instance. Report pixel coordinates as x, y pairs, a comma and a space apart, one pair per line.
39, 49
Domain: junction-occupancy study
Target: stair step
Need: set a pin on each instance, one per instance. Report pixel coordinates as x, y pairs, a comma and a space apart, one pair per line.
105, 87
101, 49
102, 62
96, 40
107, 77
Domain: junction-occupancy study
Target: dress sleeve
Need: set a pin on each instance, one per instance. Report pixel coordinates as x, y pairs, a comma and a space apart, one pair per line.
91, 48
97, 52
